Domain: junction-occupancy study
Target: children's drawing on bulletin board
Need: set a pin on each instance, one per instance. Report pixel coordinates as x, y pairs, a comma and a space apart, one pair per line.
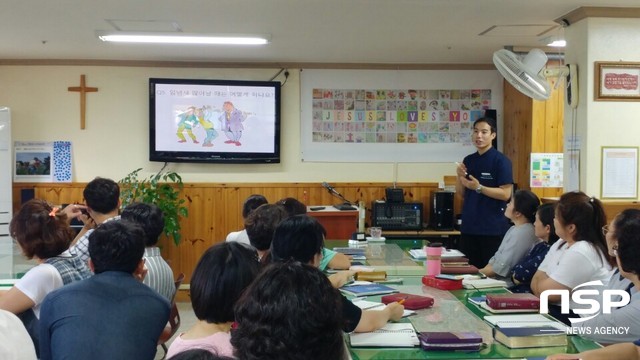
417, 116
42, 161
546, 170
397, 115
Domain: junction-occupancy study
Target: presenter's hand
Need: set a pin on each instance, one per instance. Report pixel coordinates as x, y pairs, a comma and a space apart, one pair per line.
396, 310
461, 170
472, 183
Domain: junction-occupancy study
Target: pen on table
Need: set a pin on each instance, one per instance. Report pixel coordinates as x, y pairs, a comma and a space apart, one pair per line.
401, 301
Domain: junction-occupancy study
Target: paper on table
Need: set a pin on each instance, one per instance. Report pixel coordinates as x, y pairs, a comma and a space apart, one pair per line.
483, 283
372, 305
526, 320
391, 335
446, 253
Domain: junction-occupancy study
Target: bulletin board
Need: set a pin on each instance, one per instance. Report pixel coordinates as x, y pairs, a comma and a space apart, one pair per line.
394, 116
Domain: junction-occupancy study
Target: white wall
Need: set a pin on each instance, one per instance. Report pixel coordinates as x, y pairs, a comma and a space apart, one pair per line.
115, 140
601, 123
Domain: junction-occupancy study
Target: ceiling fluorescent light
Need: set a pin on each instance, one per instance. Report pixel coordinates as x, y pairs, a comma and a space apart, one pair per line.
553, 41
182, 38
557, 43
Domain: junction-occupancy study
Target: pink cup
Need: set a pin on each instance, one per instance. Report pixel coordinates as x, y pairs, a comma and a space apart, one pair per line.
434, 252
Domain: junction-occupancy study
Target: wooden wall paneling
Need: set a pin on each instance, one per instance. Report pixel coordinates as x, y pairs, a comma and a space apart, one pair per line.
517, 133
215, 209
532, 126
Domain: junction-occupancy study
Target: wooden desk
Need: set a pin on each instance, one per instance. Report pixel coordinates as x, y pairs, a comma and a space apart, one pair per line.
339, 224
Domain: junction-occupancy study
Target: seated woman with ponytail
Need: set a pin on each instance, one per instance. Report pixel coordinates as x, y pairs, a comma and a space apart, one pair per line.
43, 234
579, 256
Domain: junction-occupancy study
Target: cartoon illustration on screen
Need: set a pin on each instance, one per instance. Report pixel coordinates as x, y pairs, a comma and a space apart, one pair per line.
187, 121
204, 116
231, 121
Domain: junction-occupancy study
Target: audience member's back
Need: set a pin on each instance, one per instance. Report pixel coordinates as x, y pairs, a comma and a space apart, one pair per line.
150, 217
290, 311
260, 226
249, 205
111, 315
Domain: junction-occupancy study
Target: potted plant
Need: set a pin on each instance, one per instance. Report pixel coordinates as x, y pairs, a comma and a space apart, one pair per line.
161, 189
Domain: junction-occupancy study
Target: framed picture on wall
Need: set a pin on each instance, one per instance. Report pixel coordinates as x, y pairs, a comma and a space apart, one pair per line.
617, 81
619, 177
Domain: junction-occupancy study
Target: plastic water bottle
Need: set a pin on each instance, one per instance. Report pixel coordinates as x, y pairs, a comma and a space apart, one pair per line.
434, 253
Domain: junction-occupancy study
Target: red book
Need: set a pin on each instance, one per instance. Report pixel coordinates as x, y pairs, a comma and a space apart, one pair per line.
442, 284
465, 269
411, 302
455, 259
513, 301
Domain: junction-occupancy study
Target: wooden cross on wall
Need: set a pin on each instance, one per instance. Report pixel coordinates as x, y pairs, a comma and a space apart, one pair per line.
83, 90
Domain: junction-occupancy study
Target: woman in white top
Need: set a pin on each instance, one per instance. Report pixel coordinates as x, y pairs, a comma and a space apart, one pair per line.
43, 234
579, 256
249, 205
623, 238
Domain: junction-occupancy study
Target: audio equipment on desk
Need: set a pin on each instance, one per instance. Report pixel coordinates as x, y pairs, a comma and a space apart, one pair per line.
397, 216
442, 210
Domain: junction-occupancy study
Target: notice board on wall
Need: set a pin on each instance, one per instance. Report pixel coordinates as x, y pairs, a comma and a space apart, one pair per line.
394, 116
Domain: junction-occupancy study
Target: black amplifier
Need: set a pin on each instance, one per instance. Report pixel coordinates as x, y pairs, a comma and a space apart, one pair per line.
396, 216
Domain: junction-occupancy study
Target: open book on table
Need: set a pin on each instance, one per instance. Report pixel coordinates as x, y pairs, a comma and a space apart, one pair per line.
391, 335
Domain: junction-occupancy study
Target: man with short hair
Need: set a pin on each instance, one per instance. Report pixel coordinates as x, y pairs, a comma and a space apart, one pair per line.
102, 199
111, 315
485, 180
159, 274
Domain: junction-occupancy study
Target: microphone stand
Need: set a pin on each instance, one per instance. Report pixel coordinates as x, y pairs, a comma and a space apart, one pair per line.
347, 205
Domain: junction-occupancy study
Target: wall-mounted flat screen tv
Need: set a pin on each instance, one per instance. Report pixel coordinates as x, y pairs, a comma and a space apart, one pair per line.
214, 121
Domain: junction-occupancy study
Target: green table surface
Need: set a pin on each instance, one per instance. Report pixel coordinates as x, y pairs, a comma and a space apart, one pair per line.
451, 308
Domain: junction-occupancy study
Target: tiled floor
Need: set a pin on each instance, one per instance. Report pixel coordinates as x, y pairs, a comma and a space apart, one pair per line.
187, 319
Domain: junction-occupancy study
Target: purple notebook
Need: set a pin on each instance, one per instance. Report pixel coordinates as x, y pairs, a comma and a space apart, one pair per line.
467, 341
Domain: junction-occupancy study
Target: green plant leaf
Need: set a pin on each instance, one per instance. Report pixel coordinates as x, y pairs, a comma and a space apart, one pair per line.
162, 189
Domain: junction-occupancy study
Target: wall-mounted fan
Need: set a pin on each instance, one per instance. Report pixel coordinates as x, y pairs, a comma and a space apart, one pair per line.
530, 77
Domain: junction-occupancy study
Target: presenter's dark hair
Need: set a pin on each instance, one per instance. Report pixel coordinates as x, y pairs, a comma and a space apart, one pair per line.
221, 275
587, 214
490, 121
627, 232
290, 311
40, 231
261, 224
293, 206
526, 203
298, 238
102, 195
252, 203
546, 213
149, 216
116, 245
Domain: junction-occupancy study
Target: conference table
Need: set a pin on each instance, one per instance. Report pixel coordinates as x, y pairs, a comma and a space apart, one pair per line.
452, 312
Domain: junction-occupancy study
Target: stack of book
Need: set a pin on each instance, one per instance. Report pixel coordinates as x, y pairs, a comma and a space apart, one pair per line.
457, 265
528, 331
449, 341
527, 337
